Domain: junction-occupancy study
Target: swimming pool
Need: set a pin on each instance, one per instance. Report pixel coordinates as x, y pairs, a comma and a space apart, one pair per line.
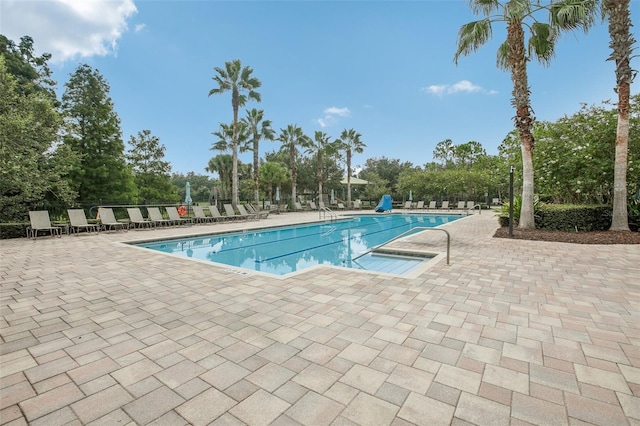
284, 250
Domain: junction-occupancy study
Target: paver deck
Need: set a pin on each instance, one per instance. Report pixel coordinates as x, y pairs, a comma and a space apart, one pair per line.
512, 332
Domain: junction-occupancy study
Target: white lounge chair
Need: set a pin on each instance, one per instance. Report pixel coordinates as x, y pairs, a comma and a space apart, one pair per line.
445, 205
39, 221
78, 221
108, 220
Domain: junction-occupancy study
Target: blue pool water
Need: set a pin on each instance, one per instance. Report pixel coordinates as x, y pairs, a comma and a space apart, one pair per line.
283, 250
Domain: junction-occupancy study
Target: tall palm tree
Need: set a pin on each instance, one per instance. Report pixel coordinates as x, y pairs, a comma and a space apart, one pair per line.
513, 55
225, 142
258, 128
319, 146
350, 143
238, 80
291, 138
621, 44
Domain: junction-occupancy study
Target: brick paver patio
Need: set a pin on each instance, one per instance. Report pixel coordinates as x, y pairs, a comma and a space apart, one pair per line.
512, 332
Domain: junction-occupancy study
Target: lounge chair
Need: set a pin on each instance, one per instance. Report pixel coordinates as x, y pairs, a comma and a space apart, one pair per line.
312, 205
461, 205
215, 213
408, 205
108, 220
471, 205
445, 205
78, 221
420, 205
432, 205
174, 216
245, 213
136, 220
40, 222
298, 206
357, 204
156, 217
321, 205
340, 206
201, 216
262, 214
231, 213
283, 208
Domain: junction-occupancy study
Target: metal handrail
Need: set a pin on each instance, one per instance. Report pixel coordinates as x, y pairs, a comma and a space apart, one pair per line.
423, 228
322, 211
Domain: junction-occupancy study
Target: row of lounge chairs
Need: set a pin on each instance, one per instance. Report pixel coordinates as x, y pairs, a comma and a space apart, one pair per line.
462, 205
40, 221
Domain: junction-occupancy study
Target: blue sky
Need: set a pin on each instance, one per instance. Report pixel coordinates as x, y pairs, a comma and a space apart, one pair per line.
383, 68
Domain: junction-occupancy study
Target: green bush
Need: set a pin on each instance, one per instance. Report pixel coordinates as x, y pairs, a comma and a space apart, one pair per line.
573, 218
13, 230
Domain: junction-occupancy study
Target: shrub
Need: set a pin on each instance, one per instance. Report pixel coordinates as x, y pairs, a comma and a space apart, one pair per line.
13, 230
574, 218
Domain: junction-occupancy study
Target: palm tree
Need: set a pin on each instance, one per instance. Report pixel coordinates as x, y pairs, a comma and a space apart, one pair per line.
238, 80
258, 129
513, 55
350, 142
222, 164
621, 45
320, 146
291, 138
225, 143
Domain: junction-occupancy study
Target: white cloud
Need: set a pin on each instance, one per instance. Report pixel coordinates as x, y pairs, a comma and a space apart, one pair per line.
463, 86
68, 28
331, 115
140, 27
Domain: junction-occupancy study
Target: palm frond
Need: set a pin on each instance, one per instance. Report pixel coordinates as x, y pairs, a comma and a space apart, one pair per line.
542, 42
516, 9
486, 7
502, 56
471, 36
574, 14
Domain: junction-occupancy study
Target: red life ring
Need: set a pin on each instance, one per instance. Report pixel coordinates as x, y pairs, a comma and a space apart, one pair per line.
182, 210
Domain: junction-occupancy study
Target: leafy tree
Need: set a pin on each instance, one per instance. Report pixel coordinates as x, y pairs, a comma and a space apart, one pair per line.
93, 132
151, 173
291, 138
238, 80
32, 166
350, 142
385, 169
622, 47
258, 128
200, 185
513, 55
331, 170
32, 73
272, 173
444, 151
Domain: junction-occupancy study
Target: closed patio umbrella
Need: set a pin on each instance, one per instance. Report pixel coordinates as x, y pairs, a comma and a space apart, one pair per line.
187, 196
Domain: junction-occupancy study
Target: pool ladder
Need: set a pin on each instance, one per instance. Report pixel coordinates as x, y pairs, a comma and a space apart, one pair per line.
409, 232
322, 213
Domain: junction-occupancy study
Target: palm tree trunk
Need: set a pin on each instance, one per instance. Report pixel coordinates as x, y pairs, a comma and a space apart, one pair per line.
294, 174
620, 218
319, 172
234, 169
622, 46
523, 121
256, 172
349, 178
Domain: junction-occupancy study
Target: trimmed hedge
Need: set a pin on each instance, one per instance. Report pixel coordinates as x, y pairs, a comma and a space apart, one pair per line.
13, 230
572, 218
569, 217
